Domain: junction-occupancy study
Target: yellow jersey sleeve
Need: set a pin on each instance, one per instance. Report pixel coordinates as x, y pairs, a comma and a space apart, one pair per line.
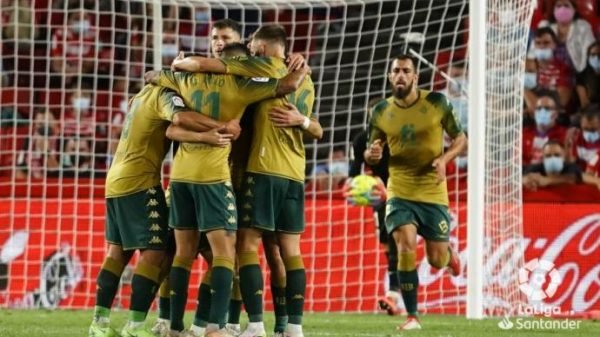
169, 103
375, 131
249, 66
167, 79
256, 89
450, 121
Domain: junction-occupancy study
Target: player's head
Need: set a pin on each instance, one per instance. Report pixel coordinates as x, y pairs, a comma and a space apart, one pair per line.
235, 49
403, 75
269, 40
223, 33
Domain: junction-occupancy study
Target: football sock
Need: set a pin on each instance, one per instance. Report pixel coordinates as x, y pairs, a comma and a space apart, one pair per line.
251, 285
393, 266
179, 279
107, 286
409, 280
295, 288
204, 301
235, 305
164, 300
279, 303
144, 285
220, 283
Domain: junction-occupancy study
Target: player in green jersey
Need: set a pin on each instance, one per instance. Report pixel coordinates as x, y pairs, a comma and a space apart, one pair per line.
412, 122
274, 193
136, 210
201, 195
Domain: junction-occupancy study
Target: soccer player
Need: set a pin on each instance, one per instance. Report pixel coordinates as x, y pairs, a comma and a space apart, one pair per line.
412, 122
136, 210
392, 296
201, 194
274, 191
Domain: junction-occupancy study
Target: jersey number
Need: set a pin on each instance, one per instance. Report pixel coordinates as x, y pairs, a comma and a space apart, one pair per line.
299, 101
200, 99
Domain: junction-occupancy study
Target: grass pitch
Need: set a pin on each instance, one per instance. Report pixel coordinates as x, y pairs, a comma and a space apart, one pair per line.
74, 323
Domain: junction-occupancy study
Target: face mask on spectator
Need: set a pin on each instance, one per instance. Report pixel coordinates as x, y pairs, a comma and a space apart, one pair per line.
81, 103
553, 164
564, 14
169, 50
458, 85
461, 162
123, 106
530, 80
80, 27
543, 116
594, 62
544, 54
338, 168
591, 136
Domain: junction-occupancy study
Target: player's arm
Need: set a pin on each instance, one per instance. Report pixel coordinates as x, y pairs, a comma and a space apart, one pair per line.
289, 116
215, 137
359, 145
292, 81
198, 64
376, 138
163, 78
452, 126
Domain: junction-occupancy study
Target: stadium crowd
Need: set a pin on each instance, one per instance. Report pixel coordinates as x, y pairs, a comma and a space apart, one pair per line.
66, 97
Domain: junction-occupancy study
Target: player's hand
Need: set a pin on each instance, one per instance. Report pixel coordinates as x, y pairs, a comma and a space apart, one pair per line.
216, 137
374, 153
440, 167
286, 116
347, 187
233, 127
177, 60
295, 61
379, 192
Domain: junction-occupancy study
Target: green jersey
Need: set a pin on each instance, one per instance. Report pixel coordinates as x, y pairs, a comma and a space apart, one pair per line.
275, 151
415, 138
222, 97
143, 145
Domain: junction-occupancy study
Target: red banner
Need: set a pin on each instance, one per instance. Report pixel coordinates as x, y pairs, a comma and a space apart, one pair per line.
63, 247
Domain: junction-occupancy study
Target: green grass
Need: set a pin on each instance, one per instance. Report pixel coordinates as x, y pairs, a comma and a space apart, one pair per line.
71, 323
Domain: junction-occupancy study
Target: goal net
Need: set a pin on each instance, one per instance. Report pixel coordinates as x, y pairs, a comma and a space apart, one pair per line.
67, 73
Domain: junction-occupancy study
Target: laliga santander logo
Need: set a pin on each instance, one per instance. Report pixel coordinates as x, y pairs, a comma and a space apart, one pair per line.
532, 277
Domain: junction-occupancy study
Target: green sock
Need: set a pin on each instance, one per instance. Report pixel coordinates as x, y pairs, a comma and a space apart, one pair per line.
220, 283
179, 279
235, 304
204, 301
164, 300
279, 303
393, 265
144, 285
295, 288
107, 286
409, 281
251, 285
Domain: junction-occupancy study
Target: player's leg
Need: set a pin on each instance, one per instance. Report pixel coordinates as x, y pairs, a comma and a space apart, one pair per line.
235, 306
163, 322
251, 280
436, 231
401, 222
146, 214
204, 296
107, 286
390, 301
183, 219
278, 281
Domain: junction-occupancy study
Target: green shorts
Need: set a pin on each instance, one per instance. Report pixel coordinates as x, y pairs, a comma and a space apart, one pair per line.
272, 204
432, 220
138, 221
203, 207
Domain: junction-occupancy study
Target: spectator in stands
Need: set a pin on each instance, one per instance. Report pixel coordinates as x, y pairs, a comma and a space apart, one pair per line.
76, 159
544, 130
554, 170
74, 49
39, 155
79, 119
574, 35
552, 74
585, 150
332, 174
588, 81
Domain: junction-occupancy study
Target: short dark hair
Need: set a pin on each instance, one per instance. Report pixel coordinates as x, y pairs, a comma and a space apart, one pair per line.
228, 23
591, 112
546, 30
554, 142
551, 94
235, 49
404, 57
273, 34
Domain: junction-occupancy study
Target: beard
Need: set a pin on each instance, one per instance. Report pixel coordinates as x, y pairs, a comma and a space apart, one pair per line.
401, 94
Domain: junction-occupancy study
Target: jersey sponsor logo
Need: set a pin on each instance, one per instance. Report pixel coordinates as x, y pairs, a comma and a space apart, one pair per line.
260, 79
178, 101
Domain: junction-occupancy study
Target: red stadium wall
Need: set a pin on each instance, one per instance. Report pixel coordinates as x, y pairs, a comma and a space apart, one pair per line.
348, 270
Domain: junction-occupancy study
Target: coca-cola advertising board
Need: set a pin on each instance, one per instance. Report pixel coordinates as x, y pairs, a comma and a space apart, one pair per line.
63, 246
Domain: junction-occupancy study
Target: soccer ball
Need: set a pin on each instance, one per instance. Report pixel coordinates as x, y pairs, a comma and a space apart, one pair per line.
361, 190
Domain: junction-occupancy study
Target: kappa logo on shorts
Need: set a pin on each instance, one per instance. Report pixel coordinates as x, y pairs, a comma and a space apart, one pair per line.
152, 202
248, 193
155, 228
246, 218
231, 207
250, 180
177, 101
155, 240
151, 191
227, 183
388, 209
229, 195
154, 215
231, 219
443, 225
247, 206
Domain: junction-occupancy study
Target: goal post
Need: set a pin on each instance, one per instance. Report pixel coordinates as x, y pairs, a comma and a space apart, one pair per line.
52, 214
